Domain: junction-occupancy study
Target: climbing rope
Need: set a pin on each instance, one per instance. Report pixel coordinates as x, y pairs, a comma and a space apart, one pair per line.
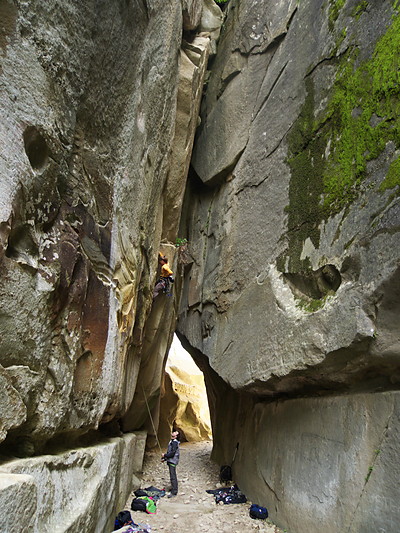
151, 419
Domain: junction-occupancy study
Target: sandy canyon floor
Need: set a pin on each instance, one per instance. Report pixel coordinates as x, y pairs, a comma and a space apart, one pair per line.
193, 510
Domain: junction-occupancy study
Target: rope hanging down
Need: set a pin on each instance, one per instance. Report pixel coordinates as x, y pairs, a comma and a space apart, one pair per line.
151, 419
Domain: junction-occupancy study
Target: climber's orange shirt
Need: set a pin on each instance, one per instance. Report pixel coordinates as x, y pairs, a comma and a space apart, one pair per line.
166, 271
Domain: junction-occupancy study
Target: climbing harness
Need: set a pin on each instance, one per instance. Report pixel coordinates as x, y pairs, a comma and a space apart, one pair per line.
151, 419
167, 287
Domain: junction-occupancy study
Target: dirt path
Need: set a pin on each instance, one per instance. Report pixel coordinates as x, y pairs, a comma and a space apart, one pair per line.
194, 510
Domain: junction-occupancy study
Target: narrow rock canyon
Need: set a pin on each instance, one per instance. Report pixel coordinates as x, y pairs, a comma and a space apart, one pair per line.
256, 144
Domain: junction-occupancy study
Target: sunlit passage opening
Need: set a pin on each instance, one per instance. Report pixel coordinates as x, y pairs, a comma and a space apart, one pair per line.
184, 404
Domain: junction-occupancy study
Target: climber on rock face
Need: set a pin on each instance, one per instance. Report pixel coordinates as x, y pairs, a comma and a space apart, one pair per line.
166, 277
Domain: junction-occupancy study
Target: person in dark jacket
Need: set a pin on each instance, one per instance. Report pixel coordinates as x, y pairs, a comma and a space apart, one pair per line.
172, 459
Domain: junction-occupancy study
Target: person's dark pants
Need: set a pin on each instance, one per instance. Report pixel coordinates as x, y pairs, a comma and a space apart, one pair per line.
173, 478
159, 287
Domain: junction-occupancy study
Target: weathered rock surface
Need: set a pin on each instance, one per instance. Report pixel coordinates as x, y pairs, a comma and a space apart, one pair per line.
184, 404
267, 283
323, 461
82, 489
73, 260
293, 219
288, 295
83, 212
98, 104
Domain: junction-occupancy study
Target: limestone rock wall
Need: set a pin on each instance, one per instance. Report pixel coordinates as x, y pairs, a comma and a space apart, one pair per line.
98, 109
184, 403
79, 239
89, 117
81, 489
292, 215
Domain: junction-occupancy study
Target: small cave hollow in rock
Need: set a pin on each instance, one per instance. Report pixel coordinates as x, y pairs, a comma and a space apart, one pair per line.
314, 284
36, 148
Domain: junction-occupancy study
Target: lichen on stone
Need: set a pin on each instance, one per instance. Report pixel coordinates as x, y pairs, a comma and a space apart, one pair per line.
364, 113
359, 9
334, 9
328, 154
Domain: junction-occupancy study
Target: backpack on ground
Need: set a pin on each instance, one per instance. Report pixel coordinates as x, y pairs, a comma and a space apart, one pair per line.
151, 506
124, 517
225, 474
144, 503
230, 495
138, 504
256, 511
139, 493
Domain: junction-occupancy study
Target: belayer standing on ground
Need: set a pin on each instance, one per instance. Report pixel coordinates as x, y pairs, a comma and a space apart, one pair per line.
166, 277
172, 459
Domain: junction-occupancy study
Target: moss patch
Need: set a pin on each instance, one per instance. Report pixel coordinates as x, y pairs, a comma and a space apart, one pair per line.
311, 306
364, 114
334, 9
306, 185
328, 154
393, 176
359, 9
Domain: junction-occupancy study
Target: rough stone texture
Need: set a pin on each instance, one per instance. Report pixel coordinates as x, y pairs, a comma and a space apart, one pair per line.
237, 76
330, 461
211, 21
293, 284
192, 67
191, 11
184, 404
12, 407
311, 312
18, 492
79, 490
98, 109
77, 250
93, 98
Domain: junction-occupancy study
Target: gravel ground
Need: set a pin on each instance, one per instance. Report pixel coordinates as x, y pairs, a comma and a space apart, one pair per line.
193, 510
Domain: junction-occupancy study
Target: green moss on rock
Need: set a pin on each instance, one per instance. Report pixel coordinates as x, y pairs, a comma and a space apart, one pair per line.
328, 154
392, 179
306, 185
359, 9
311, 306
334, 9
364, 113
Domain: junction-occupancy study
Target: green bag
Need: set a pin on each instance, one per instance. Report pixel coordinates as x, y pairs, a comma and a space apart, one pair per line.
151, 507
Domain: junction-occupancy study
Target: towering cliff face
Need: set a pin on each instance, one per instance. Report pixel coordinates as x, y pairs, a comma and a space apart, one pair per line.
292, 297
99, 103
288, 295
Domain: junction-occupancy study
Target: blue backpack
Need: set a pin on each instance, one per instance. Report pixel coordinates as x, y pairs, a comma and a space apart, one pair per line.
123, 518
256, 511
